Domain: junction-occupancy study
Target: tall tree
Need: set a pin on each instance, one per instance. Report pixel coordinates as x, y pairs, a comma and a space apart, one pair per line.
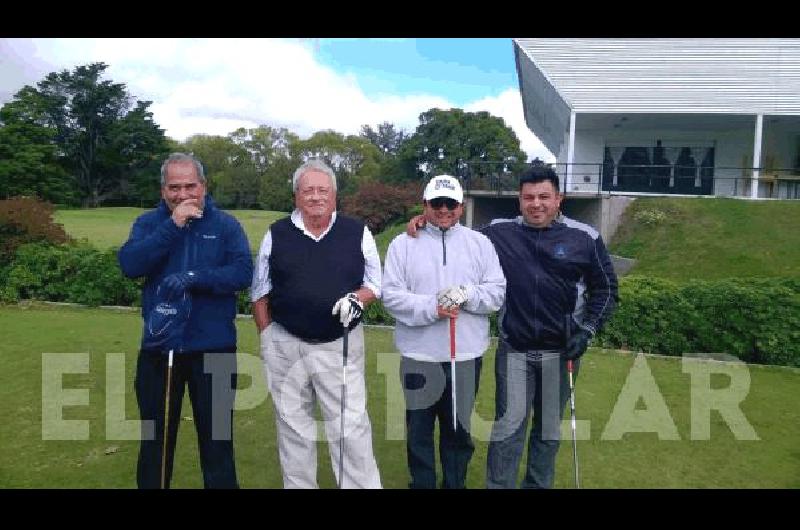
445, 140
353, 158
226, 166
275, 154
386, 138
101, 134
29, 161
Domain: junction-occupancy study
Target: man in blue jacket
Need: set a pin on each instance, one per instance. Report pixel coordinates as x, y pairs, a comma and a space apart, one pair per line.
189, 246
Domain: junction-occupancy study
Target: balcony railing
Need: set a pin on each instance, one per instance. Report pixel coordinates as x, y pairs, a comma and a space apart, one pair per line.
499, 178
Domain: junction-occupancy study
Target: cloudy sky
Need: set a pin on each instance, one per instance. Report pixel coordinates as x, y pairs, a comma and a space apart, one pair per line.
214, 86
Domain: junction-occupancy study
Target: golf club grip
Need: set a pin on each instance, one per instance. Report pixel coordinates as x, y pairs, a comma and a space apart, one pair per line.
452, 337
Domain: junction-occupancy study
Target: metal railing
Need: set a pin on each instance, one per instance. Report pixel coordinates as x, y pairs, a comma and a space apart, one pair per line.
486, 178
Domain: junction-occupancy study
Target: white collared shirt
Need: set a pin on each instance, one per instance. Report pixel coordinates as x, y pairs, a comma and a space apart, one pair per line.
262, 284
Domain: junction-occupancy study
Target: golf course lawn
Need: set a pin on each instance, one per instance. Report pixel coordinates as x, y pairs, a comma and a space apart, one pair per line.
617, 393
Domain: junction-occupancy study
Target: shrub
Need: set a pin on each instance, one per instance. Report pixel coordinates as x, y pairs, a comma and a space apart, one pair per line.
379, 204
75, 272
754, 319
26, 220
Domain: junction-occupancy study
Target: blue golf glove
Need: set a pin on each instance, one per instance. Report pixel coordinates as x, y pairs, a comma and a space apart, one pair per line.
577, 344
176, 284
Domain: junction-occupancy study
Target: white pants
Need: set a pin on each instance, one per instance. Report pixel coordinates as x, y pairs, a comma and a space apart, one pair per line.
298, 375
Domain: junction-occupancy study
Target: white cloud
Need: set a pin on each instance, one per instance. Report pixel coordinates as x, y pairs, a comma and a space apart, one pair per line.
214, 86
508, 105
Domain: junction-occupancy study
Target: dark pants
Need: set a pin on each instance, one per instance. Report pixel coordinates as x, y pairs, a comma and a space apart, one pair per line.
427, 388
526, 380
212, 396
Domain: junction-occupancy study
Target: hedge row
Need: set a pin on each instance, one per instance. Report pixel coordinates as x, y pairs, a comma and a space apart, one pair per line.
74, 272
754, 319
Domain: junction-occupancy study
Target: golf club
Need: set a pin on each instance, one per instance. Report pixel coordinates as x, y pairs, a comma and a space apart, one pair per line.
344, 396
166, 423
572, 405
453, 367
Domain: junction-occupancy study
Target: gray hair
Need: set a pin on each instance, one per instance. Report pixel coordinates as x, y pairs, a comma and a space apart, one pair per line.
314, 164
177, 158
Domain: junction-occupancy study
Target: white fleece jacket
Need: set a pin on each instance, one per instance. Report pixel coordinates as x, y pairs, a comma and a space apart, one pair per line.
415, 271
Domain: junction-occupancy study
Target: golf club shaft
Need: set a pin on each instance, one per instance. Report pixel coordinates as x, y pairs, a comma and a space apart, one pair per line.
567, 332
453, 369
344, 397
166, 423
574, 426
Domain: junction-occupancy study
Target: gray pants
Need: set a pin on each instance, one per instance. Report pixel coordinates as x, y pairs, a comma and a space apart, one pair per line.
299, 375
526, 380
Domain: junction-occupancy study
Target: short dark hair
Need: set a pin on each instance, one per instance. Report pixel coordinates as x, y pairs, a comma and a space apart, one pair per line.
539, 173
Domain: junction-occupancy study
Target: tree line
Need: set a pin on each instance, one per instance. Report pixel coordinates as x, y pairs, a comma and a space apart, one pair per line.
79, 139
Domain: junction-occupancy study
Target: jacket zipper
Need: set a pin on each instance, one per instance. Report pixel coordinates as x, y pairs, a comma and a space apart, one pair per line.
187, 240
536, 292
444, 249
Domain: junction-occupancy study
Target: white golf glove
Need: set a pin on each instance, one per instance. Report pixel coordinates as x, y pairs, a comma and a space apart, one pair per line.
349, 308
455, 295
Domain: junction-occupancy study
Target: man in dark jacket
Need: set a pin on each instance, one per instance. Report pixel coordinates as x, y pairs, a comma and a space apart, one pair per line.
187, 246
561, 289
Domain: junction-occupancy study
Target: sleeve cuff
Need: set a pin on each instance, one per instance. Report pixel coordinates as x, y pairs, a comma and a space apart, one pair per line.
431, 313
472, 301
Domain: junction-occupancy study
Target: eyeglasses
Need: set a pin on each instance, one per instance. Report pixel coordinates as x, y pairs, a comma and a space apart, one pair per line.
438, 202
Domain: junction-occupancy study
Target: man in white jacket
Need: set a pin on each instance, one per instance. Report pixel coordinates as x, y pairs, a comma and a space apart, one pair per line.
448, 271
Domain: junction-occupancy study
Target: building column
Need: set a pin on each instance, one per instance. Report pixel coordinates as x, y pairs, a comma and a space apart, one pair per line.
756, 156
469, 211
570, 151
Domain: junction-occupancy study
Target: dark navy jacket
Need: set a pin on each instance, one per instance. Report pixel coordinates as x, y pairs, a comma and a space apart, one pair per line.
551, 272
215, 247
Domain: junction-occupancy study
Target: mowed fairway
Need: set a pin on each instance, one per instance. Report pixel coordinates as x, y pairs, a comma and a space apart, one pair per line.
615, 392
110, 227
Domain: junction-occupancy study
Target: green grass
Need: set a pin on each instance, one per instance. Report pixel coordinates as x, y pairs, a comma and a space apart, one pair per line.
711, 238
110, 227
637, 460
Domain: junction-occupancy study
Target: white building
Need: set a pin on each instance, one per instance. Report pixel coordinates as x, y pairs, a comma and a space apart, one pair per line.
667, 116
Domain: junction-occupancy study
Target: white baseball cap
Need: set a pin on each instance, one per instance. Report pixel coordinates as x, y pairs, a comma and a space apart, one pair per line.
444, 186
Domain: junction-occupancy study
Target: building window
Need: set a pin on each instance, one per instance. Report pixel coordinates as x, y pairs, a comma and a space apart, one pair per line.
659, 169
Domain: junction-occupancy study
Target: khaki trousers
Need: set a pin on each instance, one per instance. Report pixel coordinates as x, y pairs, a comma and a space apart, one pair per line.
300, 374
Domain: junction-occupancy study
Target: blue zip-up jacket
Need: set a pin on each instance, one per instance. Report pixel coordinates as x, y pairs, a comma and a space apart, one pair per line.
214, 247
551, 272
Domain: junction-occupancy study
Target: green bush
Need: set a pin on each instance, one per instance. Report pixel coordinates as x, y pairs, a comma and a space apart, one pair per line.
756, 320
77, 273
375, 313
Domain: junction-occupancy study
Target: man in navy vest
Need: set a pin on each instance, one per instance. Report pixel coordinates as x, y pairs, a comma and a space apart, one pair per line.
315, 271
188, 246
